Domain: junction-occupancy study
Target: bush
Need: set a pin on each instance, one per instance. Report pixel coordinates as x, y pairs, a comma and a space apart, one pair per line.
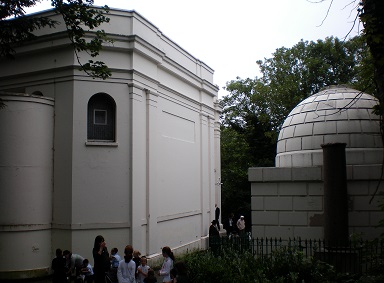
228, 267
288, 265
285, 265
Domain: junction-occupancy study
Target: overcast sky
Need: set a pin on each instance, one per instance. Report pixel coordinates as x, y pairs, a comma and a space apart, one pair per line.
229, 36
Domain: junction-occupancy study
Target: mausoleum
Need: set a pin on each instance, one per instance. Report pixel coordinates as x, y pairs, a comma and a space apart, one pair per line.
290, 200
135, 157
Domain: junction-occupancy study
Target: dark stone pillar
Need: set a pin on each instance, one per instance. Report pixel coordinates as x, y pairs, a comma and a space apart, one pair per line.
335, 194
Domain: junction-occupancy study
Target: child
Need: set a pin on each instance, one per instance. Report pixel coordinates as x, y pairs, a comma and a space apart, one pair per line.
136, 259
142, 270
151, 277
58, 267
127, 267
86, 271
115, 258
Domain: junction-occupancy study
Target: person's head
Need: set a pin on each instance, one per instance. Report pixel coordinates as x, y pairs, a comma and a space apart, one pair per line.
242, 217
215, 204
85, 262
99, 240
166, 251
213, 222
128, 253
143, 261
59, 253
114, 251
151, 273
67, 254
136, 253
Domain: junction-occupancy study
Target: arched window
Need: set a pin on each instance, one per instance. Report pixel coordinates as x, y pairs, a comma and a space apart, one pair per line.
101, 118
37, 92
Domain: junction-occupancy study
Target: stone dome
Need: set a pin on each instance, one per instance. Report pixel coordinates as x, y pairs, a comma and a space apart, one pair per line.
335, 114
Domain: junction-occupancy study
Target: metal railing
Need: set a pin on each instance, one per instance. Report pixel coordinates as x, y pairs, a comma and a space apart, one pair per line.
353, 257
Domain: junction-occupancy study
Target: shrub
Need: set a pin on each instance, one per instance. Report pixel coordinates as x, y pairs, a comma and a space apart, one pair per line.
284, 265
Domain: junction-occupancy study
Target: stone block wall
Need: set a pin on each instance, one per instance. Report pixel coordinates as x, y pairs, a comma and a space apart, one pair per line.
288, 202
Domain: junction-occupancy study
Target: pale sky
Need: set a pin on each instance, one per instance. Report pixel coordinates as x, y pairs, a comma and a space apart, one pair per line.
230, 36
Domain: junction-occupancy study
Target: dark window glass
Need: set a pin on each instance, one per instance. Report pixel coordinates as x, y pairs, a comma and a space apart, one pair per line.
101, 117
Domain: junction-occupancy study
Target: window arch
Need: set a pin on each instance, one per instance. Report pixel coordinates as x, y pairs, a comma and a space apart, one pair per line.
101, 118
37, 92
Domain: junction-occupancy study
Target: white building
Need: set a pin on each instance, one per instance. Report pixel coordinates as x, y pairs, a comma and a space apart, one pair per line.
288, 200
135, 158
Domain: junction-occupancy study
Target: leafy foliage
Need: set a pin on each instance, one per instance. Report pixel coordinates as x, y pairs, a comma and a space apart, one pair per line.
292, 74
255, 109
285, 265
79, 17
371, 15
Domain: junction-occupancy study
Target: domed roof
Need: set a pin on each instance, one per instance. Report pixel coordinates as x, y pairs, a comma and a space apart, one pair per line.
335, 114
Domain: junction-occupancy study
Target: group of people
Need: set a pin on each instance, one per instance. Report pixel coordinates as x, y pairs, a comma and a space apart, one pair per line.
67, 265
132, 268
230, 225
234, 227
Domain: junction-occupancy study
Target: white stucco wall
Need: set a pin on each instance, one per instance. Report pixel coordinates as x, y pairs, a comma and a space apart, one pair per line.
26, 172
156, 185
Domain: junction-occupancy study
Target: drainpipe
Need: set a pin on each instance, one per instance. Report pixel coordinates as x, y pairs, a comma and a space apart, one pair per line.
335, 194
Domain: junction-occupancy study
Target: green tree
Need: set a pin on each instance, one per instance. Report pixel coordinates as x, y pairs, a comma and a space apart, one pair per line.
372, 17
293, 74
255, 109
16, 28
243, 144
241, 149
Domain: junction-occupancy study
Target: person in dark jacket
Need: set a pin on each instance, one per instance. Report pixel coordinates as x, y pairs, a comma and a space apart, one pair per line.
213, 232
214, 237
58, 267
217, 217
100, 259
230, 224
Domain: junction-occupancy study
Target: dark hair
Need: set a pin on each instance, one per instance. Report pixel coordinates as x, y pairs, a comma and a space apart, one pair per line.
59, 253
98, 240
66, 252
128, 253
114, 250
167, 250
85, 261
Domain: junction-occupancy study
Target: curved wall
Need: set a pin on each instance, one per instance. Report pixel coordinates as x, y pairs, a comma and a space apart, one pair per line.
335, 114
26, 168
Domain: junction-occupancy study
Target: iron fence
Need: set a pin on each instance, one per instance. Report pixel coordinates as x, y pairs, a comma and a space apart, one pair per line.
353, 256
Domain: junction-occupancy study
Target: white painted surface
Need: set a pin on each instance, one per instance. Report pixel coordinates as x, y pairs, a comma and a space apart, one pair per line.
158, 183
26, 173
